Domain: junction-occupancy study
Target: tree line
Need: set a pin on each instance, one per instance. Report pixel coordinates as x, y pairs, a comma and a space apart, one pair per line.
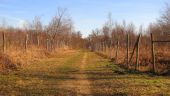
114, 39
59, 33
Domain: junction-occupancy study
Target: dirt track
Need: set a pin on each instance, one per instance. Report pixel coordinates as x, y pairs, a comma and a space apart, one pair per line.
80, 73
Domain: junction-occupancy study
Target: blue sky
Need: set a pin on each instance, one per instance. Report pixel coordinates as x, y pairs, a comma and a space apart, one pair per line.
86, 14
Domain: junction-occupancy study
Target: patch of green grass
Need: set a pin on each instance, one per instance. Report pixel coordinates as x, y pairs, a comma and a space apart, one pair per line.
69, 65
42, 78
109, 79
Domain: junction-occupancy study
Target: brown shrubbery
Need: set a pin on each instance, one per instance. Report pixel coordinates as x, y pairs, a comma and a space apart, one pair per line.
112, 38
35, 41
7, 64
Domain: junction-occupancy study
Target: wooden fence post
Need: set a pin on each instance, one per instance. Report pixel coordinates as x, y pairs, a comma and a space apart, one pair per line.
52, 45
117, 49
38, 40
111, 46
153, 53
47, 45
137, 53
4, 41
128, 50
103, 46
26, 42
136, 45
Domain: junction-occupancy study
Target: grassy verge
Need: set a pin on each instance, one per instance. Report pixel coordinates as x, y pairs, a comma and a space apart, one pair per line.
41, 78
108, 79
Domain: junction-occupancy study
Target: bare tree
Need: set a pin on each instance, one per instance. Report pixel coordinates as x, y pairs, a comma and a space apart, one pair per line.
164, 21
37, 27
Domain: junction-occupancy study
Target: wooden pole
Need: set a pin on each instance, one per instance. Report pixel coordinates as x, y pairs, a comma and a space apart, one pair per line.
130, 60
111, 46
137, 53
127, 50
26, 42
132, 54
117, 49
47, 45
52, 45
38, 40
153, 53
4, 41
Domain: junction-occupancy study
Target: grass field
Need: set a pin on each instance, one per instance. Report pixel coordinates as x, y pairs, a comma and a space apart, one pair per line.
80, 73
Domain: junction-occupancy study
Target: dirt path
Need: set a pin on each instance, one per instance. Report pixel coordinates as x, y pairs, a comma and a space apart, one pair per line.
79, 85
80, 73
83, 87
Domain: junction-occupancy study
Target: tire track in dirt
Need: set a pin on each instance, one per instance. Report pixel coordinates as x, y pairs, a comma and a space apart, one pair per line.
83, 86
77, 83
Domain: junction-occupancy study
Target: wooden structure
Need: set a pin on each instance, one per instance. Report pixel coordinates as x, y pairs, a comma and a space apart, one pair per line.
153, 41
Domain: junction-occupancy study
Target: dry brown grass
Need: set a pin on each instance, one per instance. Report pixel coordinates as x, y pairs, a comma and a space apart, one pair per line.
66, 75
25, 57
145, 58
15, 58
6, 63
